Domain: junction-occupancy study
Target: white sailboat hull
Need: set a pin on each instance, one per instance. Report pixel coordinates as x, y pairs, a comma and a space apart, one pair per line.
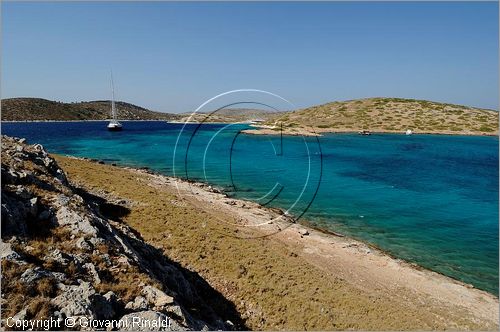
115, 126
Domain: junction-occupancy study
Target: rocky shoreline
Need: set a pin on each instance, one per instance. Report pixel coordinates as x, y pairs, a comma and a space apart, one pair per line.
303, 131
63, 257
213, 261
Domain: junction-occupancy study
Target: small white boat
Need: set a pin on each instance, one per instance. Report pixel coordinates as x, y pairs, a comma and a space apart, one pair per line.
364, 132
408, 132
113, 125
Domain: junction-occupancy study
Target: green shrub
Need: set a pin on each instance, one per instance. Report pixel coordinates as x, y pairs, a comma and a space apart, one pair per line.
486, 129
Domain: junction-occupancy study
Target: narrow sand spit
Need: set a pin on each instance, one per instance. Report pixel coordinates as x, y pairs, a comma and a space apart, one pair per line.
281, 275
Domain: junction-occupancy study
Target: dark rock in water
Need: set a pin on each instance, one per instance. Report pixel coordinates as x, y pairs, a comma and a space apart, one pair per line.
101, 162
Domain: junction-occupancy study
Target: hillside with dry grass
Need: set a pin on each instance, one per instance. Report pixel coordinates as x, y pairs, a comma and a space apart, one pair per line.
394, 115
37, 109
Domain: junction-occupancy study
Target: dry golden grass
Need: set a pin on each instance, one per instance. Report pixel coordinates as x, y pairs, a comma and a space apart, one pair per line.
39, 308
271, 287
18, 295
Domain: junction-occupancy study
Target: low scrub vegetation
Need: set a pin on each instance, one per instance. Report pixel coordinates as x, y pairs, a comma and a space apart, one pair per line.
393, 115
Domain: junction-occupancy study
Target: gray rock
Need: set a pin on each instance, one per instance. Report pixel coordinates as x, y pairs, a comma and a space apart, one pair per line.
59, 257
91, 269
95, 241
31, 275
139, 303
59, 276
48, 162
123, 260
77, 222
6, 252
82, 300
80, 260
156, 297
149, 321
63, 200
39, 147
83, 244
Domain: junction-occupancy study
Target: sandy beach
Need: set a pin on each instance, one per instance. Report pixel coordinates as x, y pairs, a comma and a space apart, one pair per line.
278, 274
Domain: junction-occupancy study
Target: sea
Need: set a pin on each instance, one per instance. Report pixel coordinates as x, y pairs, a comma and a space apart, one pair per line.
427, 199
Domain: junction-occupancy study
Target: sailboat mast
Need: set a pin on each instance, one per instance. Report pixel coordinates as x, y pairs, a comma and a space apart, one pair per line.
113, 110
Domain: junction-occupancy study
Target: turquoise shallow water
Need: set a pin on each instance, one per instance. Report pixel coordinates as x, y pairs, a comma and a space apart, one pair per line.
428, 199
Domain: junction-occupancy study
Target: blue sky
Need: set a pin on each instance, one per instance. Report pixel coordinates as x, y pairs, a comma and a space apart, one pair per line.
171, 56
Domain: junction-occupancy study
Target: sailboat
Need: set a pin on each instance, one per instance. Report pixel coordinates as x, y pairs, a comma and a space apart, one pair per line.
113, 125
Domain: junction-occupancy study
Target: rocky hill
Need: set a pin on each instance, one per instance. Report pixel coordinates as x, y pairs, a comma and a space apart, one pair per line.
36, 109
387, 115
66, 253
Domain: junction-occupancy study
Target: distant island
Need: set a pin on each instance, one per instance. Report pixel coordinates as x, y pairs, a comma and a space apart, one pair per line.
387, 115
390, 115
37, 109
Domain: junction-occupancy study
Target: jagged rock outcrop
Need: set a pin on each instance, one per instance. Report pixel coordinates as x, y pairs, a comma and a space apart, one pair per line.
62, 257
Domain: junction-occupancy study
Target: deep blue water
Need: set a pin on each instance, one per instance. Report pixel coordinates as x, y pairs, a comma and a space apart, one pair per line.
429, 199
